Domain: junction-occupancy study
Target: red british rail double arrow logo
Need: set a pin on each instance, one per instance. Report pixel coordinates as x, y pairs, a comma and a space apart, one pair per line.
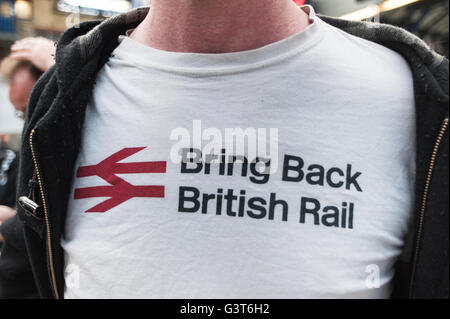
120, 190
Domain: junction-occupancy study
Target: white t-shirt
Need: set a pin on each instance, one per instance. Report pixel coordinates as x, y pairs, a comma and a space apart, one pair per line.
336, 114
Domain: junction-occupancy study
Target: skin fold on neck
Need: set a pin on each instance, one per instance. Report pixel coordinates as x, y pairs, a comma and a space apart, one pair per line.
218, 26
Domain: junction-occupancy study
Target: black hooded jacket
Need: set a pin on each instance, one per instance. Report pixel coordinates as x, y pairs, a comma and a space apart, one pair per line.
52, 138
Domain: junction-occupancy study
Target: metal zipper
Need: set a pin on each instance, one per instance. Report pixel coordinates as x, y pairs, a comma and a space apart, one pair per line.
46, 215
437, 145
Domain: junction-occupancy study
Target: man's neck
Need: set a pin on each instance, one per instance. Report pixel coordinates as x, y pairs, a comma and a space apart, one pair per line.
218, 26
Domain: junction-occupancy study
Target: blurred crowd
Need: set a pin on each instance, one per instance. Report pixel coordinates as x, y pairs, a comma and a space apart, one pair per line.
29, 59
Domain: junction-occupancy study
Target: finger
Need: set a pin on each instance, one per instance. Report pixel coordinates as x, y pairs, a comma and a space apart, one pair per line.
20, 47
26, 41
22, 56
22, 51
6, 214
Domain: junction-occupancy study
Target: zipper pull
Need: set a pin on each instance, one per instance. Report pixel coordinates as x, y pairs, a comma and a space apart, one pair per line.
28, 205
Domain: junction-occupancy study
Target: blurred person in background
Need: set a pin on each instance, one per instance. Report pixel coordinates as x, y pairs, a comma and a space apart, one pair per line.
29, 59
8, 177
9, 166
362, 113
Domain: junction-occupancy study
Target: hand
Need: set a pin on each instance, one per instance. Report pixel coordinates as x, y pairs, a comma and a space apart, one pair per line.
38, 51
5, 213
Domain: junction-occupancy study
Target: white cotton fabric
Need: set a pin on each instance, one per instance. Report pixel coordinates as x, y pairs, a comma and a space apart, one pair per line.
336, 100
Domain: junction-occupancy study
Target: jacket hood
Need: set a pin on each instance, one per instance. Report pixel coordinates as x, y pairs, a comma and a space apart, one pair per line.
93, 42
